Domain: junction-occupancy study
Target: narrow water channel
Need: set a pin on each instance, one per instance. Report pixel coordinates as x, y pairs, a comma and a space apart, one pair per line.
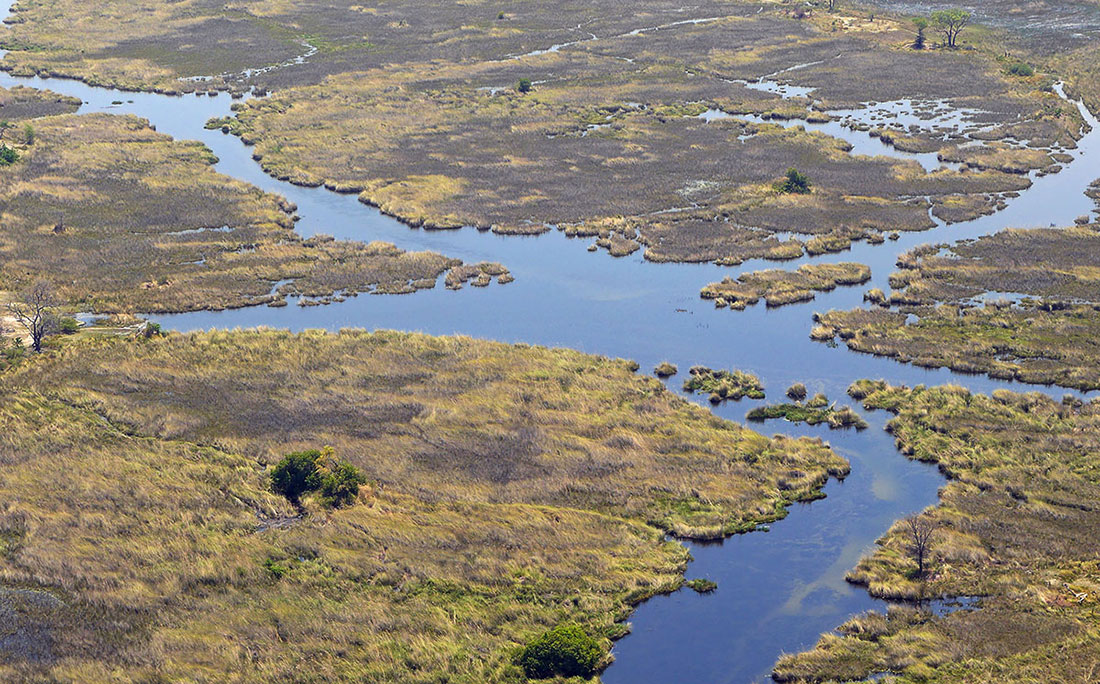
777, 590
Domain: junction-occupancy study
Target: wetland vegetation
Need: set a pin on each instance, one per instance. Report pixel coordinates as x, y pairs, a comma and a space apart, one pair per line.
507, 490
779, 287
1015, 525
415, 110
189, 238
723, 384
1019, 304
395, 507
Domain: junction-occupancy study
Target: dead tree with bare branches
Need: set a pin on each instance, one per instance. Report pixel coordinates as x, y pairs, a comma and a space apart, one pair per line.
34, 310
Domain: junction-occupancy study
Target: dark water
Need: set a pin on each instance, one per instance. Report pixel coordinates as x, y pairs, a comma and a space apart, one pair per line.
777, 590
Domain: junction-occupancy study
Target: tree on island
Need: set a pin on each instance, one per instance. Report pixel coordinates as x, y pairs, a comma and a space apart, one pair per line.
920, 531
950, 23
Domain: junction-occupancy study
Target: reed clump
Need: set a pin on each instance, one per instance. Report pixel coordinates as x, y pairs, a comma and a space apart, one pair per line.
723, 384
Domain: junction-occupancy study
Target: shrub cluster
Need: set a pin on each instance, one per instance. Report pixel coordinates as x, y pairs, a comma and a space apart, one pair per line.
795, 182
302, 472
565, 651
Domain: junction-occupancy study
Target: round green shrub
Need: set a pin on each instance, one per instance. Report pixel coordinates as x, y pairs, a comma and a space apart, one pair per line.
341, 486
296, 474
565, 651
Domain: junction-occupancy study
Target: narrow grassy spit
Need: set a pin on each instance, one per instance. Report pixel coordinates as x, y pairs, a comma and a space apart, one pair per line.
190, 238
723, 384
1015, 525
1046, 333
779, 287
509, 490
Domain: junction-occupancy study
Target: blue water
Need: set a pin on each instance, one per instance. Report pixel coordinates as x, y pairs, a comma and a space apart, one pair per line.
777, 590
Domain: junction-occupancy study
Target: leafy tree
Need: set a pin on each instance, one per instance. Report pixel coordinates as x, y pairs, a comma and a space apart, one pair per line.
950, 23
296, 474
795, 182
565, 651
340, 486
307, 471
28, 133
921, 24
524, 85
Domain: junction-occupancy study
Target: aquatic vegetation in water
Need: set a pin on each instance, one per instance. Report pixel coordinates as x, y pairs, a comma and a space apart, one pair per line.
835, 418
701, 586
723, 384
779, 287
665, 370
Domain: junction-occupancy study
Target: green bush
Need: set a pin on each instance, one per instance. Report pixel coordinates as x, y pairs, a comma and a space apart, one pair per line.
8, 156
1021, 69
524, 85
308, 471
795, 182
340, 486
565, 651
68, 326
296, 474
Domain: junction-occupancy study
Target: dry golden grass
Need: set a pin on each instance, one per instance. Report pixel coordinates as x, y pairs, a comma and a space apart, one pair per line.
512, 488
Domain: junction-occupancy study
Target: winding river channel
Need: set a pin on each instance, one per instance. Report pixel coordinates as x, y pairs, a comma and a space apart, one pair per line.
777, 590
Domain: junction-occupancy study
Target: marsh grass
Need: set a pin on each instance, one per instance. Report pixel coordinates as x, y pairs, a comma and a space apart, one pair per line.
1015, 526
515, 488
190, 238
835, 418
779, 287
1049, 335
723, 384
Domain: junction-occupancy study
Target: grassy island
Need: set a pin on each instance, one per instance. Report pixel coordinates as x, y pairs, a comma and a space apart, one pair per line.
189, 238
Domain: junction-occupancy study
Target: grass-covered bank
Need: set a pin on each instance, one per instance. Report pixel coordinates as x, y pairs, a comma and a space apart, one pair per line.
120, 218
1015, 525
512, 489
1019, 304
